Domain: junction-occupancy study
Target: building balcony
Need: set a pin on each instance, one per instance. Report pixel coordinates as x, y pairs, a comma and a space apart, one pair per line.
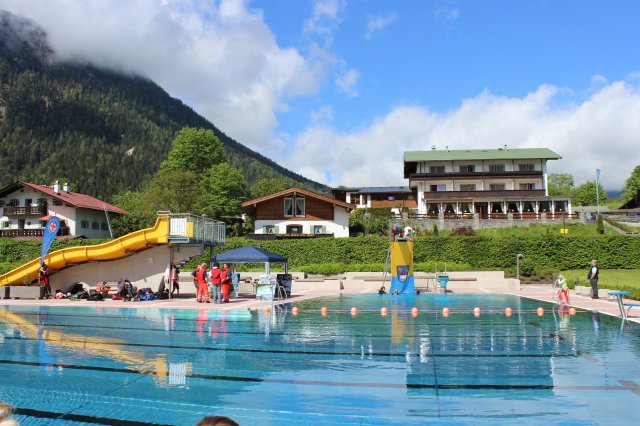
520, 194
37, 232
271, 237
474, 175
25, 211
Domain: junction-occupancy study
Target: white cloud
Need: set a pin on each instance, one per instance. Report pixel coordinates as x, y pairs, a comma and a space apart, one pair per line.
347, 81
218, 55
600, 132
321, 115
378, 23
448, 12
325, 20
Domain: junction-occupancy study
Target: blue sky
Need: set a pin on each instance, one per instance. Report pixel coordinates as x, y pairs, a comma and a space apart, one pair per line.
337, 90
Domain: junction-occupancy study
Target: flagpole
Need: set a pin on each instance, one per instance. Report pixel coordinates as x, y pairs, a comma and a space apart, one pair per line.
598, 191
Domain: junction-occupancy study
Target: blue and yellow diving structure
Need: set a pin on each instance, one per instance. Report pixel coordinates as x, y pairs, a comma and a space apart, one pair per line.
402, 280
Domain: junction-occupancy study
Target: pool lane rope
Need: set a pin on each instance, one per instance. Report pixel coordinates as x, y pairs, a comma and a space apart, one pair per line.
446, 312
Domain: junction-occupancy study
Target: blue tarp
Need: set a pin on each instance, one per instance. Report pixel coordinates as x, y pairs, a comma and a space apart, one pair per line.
249, 254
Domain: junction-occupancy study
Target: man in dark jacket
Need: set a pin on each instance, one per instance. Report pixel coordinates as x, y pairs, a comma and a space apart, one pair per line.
592, 276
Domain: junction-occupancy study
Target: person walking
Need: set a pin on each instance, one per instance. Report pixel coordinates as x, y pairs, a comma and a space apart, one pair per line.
592, 276
175, 281
226, 282
203, 287
216, 283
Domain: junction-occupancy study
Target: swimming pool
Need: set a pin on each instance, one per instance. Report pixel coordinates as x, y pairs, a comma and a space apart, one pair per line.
78, 365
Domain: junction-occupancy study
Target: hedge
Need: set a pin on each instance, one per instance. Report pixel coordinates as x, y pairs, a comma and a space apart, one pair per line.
479, 252
543, 251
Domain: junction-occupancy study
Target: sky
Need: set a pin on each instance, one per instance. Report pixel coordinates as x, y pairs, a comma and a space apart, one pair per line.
337, 90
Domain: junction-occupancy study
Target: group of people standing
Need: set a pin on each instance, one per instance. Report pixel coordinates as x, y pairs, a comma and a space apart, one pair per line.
217, 283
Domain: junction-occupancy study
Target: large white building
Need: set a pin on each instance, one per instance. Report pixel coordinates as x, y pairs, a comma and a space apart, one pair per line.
487, 182
25, 208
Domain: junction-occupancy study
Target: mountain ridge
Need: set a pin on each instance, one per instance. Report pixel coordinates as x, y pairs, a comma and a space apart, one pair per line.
104, 131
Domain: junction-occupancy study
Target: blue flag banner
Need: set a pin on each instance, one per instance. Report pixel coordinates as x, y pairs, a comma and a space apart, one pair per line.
50, 232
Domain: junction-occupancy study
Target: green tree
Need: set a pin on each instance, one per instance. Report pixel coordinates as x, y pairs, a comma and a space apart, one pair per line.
585, 194
225, 189
560, 184
195, 150
631, 185
177, 191
600, 224
267, 186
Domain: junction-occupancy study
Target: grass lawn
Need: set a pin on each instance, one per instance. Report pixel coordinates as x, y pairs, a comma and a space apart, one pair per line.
609, 278
574, 229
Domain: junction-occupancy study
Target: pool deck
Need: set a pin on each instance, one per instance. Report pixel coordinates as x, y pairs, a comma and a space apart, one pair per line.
542, 292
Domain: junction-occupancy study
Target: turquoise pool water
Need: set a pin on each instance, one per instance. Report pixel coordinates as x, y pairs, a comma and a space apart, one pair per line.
77, 365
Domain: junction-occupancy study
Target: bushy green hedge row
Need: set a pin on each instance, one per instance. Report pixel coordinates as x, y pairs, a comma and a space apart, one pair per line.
479, 252
544, 251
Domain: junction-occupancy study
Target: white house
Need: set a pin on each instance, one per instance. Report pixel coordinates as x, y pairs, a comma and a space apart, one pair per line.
25, 207
487, 182
297, 212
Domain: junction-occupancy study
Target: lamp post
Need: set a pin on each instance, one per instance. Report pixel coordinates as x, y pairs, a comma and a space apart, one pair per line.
518, 257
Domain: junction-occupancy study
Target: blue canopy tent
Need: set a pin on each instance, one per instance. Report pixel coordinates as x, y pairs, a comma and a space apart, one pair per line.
250, 254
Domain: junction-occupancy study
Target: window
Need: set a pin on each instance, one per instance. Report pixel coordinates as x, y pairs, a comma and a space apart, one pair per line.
497, 187
465, 208
13, 202
270, 229
433, 209
493, 168
294, 229
435, 188
57, 202
104, 227
2, 202
469, 168
6, 224
527, 186
42, 201
84, 224
28, 202
95, 225
436, 169
468, 187
512, 208
449, 209
496, 208
527, 167
319, 229
294, 206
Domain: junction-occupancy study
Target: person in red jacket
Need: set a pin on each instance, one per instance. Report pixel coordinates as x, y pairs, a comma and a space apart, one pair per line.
216, 282
203, 287
226, 282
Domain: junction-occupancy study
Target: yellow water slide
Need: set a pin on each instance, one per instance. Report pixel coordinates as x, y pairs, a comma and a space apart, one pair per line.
114, 249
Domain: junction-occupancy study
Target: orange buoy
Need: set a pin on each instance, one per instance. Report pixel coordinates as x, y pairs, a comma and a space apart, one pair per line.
354, 311
414, 312
572, 311
266, 309
445, 312
294, 310
476, 311
508, 311
384, 312
540, 311
323, 311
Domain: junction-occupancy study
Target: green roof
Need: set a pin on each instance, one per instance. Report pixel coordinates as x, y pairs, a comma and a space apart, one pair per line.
480, 154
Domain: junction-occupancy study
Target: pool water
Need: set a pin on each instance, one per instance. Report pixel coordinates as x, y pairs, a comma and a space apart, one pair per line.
77, 365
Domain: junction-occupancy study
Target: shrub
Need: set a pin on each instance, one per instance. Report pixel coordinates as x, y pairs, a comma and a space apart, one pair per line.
465, 231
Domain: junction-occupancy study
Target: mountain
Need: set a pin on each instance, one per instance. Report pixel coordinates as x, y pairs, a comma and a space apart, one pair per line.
102, 131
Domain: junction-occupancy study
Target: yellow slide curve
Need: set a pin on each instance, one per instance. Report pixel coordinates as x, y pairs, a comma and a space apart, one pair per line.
115, 249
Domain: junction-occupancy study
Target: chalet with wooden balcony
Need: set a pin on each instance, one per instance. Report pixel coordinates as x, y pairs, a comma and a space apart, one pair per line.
487, 182
393, 197
298, 213
25, 208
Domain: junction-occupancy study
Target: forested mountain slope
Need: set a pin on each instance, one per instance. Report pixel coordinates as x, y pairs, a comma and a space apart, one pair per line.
104, 132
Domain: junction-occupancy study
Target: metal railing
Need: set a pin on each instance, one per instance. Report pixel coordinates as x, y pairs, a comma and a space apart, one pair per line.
189, 227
